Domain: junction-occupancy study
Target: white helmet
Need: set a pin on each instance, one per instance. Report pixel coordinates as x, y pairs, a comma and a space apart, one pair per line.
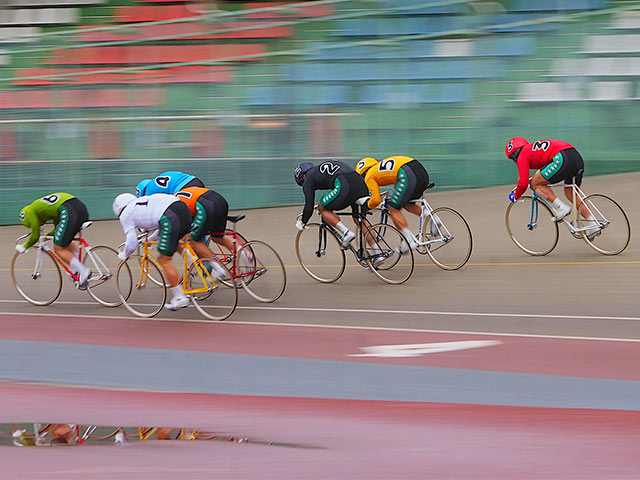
122, 201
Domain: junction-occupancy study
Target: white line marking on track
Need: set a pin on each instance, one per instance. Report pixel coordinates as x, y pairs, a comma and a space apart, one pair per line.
338, 327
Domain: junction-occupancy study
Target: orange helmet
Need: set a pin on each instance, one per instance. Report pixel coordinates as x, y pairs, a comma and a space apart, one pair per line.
365, 164
513, 146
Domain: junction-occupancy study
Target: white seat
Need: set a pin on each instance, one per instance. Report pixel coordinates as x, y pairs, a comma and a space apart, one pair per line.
86, 225
362, 200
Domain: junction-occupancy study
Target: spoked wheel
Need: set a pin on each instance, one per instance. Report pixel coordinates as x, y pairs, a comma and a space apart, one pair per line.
609, 231
139, 294
261, 271
102, 285
530, 226
215, 299
448, 238
36, 276
390, 257
320, 253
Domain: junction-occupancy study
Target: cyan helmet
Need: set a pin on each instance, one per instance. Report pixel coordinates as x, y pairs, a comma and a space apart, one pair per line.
121, 201
142, 187
300, 170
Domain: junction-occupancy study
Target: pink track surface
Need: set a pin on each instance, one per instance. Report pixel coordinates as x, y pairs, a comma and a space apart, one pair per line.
354, 439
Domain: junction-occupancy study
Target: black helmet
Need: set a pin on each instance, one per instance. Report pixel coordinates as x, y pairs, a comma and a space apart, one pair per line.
300, 170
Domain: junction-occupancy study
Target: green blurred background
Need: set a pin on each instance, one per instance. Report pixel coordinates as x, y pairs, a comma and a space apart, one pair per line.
97, 95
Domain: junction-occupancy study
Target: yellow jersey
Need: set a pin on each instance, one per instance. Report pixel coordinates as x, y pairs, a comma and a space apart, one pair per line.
385, 173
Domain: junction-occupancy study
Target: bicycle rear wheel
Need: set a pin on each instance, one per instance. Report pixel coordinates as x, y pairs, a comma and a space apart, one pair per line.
609, 233
214, 299
448, 238
138, 292
530, 226
261, 271
384, 258
320, 253
36, 276
103, 262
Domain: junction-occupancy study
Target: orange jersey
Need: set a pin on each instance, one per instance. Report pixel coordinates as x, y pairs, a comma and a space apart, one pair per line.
385, 173
190, 196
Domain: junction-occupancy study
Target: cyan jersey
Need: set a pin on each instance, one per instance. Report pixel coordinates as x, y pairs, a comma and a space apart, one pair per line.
168, 182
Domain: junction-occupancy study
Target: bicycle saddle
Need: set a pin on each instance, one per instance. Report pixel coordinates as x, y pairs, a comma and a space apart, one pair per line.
235, 218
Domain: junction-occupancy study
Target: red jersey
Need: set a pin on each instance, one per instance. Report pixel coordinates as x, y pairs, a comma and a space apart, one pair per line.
536, 155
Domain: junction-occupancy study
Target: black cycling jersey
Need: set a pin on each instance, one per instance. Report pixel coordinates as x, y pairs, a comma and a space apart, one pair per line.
321, 177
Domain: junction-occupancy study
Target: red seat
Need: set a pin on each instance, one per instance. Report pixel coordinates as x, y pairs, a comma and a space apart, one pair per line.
106, 98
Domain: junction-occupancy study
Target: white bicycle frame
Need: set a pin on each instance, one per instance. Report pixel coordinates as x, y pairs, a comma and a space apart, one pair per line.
43, 245
571, 220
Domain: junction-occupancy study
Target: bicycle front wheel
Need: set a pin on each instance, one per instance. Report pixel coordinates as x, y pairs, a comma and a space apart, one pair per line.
447, 238
609, 232
261, 271
137, 287
320, 253
36, 276
390, 257
214, 299
103, 262
530, 226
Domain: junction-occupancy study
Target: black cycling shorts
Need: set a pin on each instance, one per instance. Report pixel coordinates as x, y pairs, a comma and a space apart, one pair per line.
175, 223
413, 180
348, 187
73, 213
211, 216
564, 166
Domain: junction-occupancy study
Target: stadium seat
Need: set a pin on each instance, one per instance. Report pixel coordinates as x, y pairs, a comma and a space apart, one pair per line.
549, 92
554, 5
616, 44
610, 91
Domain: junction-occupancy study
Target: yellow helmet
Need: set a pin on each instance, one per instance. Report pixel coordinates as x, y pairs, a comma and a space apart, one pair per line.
365, 164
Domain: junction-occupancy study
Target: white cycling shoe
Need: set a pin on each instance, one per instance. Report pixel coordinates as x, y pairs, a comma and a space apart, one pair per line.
217, 272
177, 303
561, 212
83, 278
347, 238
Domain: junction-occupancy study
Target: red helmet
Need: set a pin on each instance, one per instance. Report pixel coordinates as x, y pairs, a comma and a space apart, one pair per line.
513, 145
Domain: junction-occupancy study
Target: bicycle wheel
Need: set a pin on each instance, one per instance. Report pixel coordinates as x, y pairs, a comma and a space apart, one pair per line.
610, 232
261, 271
36, 276
320, 253
214, 299
103, 433
139, 294
223, 254
384, 258
530, 226
104, 262
447, 237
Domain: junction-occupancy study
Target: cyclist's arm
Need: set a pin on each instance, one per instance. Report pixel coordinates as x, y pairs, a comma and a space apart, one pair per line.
309, 199
131, 239
523, 178
34, 221
374, 188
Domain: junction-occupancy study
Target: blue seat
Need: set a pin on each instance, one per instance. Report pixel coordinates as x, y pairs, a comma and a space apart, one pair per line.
298, 94
414, 94
505, 46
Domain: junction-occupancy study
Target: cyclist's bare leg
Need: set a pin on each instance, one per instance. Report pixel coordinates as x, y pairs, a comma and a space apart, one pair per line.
330, 217
170, 270
584, 211
398, 218
226, 241
201, 249
163, 434
539, 185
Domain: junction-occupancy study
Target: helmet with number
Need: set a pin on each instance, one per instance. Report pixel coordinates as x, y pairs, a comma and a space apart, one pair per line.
23, 216
142, 187
513, 145
299, 172
122, 201
365, 164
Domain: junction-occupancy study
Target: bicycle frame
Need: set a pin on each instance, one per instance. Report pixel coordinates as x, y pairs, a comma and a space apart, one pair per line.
147, 257
577, 204
84, 249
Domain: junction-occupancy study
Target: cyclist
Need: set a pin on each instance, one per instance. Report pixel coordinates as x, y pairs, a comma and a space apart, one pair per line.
170, 218
209, 212
555, 161
167, 182
345, 186
410, 179
68, 214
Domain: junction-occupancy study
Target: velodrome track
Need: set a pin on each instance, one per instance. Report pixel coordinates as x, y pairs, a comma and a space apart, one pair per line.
550, 392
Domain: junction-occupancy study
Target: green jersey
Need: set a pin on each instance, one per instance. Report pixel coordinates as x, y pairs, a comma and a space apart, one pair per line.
41, 211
